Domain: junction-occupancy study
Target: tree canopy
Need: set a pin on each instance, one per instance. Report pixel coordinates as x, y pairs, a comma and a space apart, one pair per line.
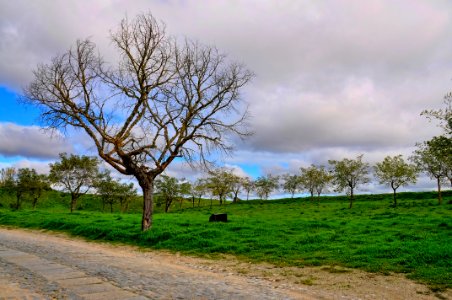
349, 173
265, 185
75, 174
395, 172
163, 99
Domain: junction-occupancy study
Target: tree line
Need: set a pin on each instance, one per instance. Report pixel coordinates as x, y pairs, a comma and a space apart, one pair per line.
432, 157
74, 174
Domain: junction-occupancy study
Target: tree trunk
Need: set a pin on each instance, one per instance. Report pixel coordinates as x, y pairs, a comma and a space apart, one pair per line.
193, 200
18, 202
73, 201
111, 207
168, 205
147, 186
395, 197
35, 200
440, 198
351, 198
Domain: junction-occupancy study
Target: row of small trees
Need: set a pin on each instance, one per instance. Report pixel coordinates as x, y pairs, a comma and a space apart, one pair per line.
433, 157
345, 174
76, 175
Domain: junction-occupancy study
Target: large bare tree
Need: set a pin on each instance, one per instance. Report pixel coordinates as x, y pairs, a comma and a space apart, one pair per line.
160, 101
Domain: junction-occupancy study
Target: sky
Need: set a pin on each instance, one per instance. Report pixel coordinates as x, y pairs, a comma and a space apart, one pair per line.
333, 79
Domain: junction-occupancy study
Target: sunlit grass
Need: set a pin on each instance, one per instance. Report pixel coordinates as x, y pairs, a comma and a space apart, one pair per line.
415, 238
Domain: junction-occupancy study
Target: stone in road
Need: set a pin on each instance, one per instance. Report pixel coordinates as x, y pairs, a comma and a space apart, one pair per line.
42, 266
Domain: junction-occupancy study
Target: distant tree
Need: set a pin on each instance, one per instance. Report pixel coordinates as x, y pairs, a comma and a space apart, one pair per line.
125, 193
184, 191
324, 179
7, 175
395, 172
236, 186
220, 183
248, 186
198, 189
308, 179
160, 100
107, 188
265, 185
169, 189
32, 184
444, 115
430, 158
348, 174
12, 186
442, 146
315, 179
75, 174
292, 184
112, 191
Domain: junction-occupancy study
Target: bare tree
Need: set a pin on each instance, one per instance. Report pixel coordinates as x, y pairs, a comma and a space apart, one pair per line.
162, 100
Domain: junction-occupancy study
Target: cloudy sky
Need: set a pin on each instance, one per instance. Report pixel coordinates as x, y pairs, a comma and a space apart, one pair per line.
334, 78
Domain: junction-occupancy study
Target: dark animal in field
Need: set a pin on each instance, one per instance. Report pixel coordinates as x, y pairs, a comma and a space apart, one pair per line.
218, 218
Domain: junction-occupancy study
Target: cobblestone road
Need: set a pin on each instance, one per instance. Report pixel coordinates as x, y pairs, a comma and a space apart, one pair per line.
41, 266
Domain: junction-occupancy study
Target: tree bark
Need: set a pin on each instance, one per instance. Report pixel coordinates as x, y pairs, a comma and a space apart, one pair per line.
395, 198
147, 186
440, 198
351, 198
18, 202
168, 204
35, 200
394, 195
73, 202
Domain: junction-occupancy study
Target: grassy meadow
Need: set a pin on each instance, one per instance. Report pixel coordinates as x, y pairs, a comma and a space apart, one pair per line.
415, 238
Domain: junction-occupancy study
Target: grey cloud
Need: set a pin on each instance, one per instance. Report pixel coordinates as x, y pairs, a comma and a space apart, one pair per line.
30, 141
333, 79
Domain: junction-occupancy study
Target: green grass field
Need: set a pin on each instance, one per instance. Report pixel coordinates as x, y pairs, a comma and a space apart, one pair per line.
415, 238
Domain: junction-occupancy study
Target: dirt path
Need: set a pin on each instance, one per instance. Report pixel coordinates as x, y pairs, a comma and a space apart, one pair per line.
41, 265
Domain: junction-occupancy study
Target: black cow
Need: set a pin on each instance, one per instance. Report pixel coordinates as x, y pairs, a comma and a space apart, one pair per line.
218, 218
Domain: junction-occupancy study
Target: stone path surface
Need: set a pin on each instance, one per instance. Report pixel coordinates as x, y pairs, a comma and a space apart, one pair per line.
38, 266
42, 265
